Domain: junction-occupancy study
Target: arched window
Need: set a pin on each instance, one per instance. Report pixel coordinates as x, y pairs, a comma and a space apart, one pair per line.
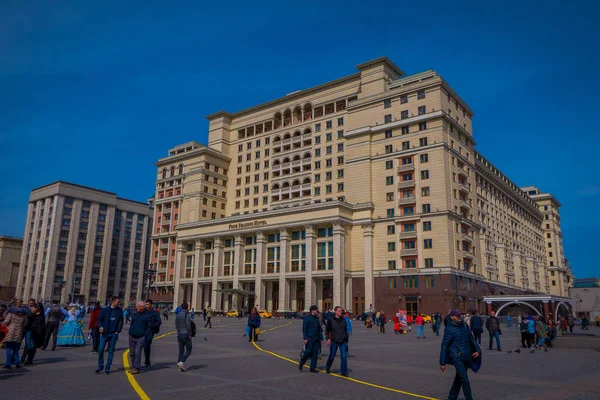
305, 181
296, 182
164, 173
172, 171
285, 184
297, 157
180, 169
287, 136
306, 155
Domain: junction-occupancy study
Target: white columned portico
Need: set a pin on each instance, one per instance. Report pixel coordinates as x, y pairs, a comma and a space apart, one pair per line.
215, 298
339, 281
309, 290
368, 263
259, 298
178, 293
196, 288
284, 290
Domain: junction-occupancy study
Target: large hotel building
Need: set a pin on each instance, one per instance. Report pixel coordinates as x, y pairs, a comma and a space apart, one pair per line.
83, 244
365, 192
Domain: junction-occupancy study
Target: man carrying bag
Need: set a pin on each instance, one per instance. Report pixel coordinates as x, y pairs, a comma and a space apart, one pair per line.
312, 334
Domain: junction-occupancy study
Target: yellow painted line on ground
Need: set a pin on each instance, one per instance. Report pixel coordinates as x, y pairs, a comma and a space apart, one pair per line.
136, 387
389, 389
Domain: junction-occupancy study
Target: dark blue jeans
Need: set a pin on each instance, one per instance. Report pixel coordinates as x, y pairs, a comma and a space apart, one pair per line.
332, 353
312, 351
496, 335
147, 349
111, 338
460, 380
12, 353
185, 347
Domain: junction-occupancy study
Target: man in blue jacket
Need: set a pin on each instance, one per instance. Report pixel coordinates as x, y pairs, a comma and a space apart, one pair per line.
458, 348
312, 333
155, 324
139, 328
476, 326
110, 323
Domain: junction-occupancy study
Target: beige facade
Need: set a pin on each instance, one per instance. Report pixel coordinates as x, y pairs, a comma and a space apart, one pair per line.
10, 255
363, 192
560, 276
82, 244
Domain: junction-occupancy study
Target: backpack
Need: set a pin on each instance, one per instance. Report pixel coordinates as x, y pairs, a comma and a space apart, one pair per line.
156, 323
193, 326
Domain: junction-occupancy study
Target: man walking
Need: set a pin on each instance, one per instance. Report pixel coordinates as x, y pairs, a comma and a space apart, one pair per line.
53, 314
337, 336
458, 348
93, 327
183, 325
110, 324
209, 313
477, 327
155, 323
420, 329
140, 325
312, 334
438, 323
493, 326
349, 331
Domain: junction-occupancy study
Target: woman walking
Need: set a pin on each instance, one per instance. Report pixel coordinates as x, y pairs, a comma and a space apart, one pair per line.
93, 327
34, 333
540, 330
15, 322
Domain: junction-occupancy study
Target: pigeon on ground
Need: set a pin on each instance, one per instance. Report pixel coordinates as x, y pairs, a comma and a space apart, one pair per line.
532, 351
517, 350
509, 351
545, 349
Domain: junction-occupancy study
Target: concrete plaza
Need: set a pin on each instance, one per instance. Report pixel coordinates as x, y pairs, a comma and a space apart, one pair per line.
224, 365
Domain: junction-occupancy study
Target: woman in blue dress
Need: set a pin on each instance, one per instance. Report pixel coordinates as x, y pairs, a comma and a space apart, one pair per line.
70, 333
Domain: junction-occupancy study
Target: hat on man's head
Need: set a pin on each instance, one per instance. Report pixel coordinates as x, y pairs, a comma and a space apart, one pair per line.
314, 307
454, 312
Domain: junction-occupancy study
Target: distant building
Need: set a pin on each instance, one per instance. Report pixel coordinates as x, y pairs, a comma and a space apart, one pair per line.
586, 297
83, 244
10, 254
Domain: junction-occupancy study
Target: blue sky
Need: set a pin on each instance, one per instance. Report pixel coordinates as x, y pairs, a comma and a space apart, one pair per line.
95, 93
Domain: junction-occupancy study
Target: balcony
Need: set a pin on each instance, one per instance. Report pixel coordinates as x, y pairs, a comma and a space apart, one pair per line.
464, 204
406, 167
491, 268
406, 184
406, 200
408, 252
467, 237
408, 234
468, 254
463, 186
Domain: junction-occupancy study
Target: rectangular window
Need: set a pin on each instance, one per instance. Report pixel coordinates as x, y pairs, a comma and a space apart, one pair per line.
404, 114
388, 149
429, 281
328, 150
391, 229
429, 263
392, 266
421, 94
388, 134
425, 174
425, 191
404, 99
389, 164
340, 121
318, 128
389, 180
389, 196
427, 243
405, 130
329, 137
387, 103
328, 124
391, 246
424, 158
340, 134
390, 213
411, 282
392, 282
406, 145
340, 147
340, 173
387, 119
340, 187
422, 126
426, 226
422, 110
426, 208
423, 142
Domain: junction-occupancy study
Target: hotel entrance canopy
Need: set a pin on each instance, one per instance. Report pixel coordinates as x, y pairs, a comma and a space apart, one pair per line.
541, 304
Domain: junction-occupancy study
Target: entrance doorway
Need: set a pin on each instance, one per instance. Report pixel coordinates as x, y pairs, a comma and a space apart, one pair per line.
412, 305
359, 305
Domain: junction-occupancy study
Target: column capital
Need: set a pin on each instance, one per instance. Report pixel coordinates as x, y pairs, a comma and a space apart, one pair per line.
218, 243
338, 229
367, 230
180, 247
199, 245
239, 241
284, 234
260, 237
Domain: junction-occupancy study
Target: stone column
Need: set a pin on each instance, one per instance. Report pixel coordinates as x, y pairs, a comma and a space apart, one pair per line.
178, 294
198, 270
284, 292
215, 297
269, 305
546, 309
238, 265
309, 293
293, 295
489, 308
368, 261
259, 297
339, 236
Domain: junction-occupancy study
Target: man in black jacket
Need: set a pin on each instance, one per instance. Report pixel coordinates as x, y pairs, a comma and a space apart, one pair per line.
312, 333
155, 324
337, 336
476, 326
140, 325
492, 324
459, 348
110, 323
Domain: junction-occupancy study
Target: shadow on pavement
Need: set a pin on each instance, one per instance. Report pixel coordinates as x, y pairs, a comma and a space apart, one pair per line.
54, 360
7, 374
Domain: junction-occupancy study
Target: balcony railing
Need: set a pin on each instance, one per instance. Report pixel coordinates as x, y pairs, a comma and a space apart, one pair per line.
408, 234
405, 184
468, 254
406, 167
406, 200
408, 252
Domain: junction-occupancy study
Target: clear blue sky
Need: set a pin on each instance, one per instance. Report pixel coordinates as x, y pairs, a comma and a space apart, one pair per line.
95, 93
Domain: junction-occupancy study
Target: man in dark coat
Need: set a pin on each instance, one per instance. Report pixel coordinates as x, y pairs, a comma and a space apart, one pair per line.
337, 336
34, 333
155, 324
492, 324
312, 334
477, 326
110, 323
458, 348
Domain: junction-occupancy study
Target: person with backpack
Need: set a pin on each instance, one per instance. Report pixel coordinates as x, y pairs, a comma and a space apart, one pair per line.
459, 348
54, 316
155, 324
253, 324
185, 331
476, 327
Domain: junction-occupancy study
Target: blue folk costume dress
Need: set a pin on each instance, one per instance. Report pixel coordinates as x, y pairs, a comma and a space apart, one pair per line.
70, 333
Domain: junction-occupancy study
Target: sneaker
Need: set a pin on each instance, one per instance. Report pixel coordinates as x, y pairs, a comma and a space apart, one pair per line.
99, 369
6, 367
181, 366
327, 371
134, 371
314, 371
93, 352
107, 371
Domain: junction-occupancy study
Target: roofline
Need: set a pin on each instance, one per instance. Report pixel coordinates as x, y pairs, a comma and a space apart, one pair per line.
295, 95
87, 188
383, 59
11, 238
169, 159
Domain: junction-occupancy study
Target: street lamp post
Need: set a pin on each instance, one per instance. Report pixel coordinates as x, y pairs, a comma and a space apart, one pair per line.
149, 274
76, 280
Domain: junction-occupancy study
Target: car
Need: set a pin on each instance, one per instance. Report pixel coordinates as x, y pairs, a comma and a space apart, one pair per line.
232, 313
292, 315
265, 314
426, 318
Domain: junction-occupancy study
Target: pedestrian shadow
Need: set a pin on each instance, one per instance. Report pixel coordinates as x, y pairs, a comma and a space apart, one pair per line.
54, 360
12, 374
194, 367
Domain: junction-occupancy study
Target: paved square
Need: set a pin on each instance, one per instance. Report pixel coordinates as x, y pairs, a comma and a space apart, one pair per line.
224, 365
